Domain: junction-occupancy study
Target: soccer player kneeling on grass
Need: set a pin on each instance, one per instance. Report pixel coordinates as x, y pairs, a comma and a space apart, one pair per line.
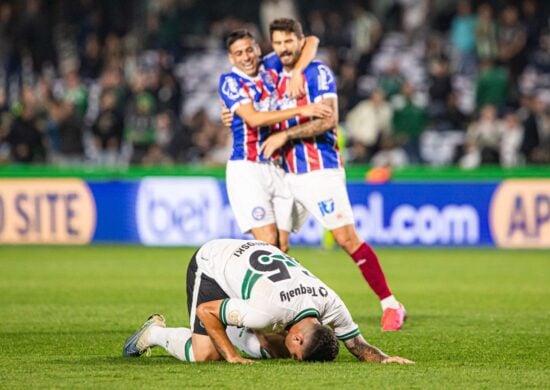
251, 295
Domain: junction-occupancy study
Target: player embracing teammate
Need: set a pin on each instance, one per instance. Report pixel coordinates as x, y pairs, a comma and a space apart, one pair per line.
315, 176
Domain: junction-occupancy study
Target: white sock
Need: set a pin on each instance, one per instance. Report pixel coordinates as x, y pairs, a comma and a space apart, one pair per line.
389, 302
176, 341
245, 340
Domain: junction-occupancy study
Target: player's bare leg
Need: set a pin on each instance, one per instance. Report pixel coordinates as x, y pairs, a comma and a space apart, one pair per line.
203, 349
267, 233
367, 261
283, 240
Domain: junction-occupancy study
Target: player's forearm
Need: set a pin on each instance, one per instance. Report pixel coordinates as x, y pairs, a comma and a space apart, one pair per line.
311, 128
272, 117
207, 313
308, 53
364, 351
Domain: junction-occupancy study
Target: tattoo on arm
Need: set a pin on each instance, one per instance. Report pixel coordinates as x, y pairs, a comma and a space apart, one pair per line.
363, 350
309, 129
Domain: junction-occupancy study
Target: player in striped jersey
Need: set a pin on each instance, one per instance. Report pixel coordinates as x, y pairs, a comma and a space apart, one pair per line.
312, 160
254, 285
257, 193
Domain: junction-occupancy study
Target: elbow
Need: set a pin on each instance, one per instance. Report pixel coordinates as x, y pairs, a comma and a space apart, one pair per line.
314, 40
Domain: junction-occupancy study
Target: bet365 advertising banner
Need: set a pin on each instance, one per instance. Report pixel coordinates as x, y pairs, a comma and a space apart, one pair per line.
191, 211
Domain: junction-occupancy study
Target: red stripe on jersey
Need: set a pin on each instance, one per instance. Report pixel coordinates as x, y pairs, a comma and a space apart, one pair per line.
251, 136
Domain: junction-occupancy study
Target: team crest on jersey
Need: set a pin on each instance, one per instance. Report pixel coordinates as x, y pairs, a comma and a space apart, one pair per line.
258, 213
326, 207
325, 78
268, 80
230, 88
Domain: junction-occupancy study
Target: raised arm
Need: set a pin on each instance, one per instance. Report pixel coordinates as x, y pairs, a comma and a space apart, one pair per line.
305, 130
368, 353
209, 314
295, 87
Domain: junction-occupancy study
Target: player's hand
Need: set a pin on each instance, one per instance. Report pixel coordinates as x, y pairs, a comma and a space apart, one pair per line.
318, 110
273, 142
240, 360
396, 359
295, 88
227, 117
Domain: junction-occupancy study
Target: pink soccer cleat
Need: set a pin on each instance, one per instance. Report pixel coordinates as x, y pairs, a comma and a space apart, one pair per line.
393, 319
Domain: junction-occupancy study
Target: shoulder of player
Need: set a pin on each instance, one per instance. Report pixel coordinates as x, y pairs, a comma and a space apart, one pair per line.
229, 76
315, 67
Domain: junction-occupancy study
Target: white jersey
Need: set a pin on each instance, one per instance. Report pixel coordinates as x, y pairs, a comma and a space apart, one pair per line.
268, 289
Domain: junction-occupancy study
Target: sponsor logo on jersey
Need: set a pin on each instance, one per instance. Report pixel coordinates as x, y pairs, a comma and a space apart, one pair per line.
326, 207
286, 296
258, 213
230, 88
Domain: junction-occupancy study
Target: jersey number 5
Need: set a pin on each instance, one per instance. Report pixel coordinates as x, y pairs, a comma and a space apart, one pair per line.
263, 261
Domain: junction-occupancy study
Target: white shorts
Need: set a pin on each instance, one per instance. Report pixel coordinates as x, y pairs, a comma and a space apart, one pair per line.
324, 194
258, 194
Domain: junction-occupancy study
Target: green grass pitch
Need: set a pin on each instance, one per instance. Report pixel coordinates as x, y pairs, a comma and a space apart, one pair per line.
477, 319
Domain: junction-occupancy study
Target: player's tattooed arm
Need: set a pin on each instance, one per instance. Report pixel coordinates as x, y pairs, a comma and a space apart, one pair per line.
305, 130
363, 350
368, 353
208, 313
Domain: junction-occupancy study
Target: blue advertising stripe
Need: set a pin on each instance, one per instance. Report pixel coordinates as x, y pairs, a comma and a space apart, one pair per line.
440, 214
116, 214
409, 214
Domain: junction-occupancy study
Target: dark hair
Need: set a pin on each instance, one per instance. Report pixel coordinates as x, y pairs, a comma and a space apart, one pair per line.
236, 35
323, 346
286, 25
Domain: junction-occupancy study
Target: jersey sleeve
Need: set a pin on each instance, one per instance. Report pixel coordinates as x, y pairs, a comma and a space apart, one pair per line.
241, 313
339, 318
231, 92
321, 82
272, 62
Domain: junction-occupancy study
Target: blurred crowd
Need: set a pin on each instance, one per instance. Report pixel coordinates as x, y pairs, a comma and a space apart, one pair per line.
135, 81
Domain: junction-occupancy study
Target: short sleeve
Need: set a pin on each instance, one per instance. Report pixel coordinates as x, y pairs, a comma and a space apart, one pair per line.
339, 318
231, 92
321, 82
238, 312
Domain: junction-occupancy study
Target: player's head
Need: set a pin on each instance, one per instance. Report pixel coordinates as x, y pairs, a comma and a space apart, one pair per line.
243, 51
287, 39
313, 343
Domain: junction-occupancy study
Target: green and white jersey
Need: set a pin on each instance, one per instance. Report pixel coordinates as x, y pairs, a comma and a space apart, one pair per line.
268, 289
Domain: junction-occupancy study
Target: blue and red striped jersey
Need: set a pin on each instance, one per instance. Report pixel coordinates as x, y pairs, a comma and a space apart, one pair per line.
314, 153
236, 89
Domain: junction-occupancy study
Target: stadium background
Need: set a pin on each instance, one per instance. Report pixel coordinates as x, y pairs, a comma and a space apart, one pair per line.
452, 91
109, 134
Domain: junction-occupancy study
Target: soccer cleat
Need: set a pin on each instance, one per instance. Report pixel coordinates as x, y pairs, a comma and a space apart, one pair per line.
393, 319
138, 343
